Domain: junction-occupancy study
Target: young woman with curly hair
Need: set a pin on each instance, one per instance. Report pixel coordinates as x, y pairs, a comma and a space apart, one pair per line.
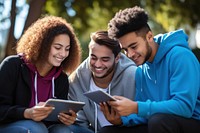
46, 53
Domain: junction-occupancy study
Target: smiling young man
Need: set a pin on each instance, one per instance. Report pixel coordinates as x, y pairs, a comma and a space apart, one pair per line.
106, 69
167, 79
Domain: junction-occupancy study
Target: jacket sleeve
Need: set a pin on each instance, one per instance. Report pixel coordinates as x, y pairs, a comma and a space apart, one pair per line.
74, 86
62, 86
184, 77
9, 71
132, 120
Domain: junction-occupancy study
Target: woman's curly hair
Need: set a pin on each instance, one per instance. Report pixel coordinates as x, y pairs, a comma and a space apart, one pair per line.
36, 42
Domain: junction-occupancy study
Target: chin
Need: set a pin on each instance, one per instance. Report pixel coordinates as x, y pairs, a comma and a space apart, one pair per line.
56, 64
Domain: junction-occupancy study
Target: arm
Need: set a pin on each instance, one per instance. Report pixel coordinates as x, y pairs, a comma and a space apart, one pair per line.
9, 92
183, 92
74, 94
183, 87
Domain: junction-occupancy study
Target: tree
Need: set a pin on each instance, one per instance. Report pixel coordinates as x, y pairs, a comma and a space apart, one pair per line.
11, 39
35, 11
87, 16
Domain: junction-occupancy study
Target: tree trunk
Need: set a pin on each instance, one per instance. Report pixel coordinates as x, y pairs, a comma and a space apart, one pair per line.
35, 10
11, 43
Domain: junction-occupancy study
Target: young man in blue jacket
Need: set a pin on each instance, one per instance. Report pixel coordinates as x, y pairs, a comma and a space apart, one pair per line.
167, 79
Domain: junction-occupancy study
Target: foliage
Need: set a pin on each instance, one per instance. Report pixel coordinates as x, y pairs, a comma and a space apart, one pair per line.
87, 16
172, 14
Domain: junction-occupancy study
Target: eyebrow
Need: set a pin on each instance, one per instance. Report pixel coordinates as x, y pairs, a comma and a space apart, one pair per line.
61, 44
130, 45
106, 57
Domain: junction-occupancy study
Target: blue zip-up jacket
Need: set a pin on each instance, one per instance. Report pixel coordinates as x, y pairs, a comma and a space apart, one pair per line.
170, 84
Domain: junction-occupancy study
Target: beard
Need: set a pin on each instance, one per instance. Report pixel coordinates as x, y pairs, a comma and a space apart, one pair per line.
148, 53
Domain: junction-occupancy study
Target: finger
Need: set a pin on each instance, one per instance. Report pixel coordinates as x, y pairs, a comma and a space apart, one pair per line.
72, 113
118, 97
66, 119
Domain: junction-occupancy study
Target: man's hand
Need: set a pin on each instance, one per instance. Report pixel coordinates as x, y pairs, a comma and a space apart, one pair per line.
67, 119
124, 106
110, 114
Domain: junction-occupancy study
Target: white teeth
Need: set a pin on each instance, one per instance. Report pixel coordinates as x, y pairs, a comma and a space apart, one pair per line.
60, 59
99, 69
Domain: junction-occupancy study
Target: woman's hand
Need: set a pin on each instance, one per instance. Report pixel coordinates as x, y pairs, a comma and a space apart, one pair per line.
38, 112
67, 119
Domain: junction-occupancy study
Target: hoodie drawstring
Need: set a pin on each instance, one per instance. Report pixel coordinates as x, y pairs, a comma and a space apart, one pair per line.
53, 92
35, 86
95, 105
95, 120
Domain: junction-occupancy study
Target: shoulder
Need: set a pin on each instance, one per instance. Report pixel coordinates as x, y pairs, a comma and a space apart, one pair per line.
82, 72
178, 51
181, 55
11, 61
13, 58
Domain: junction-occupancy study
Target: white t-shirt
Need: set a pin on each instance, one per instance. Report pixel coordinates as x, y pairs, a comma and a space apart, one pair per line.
101, 118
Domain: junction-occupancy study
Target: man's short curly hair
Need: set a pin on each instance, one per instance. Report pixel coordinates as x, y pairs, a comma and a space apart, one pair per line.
36, 42
128, 20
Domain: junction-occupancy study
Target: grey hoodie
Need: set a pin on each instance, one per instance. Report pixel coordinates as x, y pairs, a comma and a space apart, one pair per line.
123, 84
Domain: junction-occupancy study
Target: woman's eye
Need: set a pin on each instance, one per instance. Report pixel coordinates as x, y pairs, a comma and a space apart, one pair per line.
67, 49
57, 48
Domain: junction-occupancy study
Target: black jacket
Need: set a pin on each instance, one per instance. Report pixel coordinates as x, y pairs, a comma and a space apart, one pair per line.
15, 88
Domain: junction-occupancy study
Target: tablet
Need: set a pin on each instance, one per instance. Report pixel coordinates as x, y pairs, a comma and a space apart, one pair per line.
99, 96
62, 106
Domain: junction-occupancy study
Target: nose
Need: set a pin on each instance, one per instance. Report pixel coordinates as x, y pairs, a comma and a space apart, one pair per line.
64, 53
97, 63
130, 53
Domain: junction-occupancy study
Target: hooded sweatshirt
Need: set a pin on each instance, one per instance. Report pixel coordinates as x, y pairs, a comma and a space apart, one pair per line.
16, 87
170, 83
123, 83
42, 86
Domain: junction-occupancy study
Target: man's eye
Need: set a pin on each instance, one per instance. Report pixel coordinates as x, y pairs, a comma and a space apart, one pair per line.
93, 58
105, 60
133, 47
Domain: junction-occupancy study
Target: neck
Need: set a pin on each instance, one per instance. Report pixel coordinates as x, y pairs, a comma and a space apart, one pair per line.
154, 51
42, 69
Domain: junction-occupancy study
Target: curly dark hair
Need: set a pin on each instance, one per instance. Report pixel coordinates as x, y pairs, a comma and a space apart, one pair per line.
36, 42
128, 20
101, 38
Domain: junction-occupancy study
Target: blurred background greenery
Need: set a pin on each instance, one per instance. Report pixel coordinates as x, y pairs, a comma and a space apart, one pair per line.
87, 16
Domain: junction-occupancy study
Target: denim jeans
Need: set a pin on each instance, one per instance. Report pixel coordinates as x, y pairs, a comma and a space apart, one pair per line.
79, 129
29, 126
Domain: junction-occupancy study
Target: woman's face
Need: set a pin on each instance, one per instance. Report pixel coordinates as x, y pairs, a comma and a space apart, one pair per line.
59, 50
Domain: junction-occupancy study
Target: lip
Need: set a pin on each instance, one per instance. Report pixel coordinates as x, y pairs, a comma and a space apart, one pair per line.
59, 59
